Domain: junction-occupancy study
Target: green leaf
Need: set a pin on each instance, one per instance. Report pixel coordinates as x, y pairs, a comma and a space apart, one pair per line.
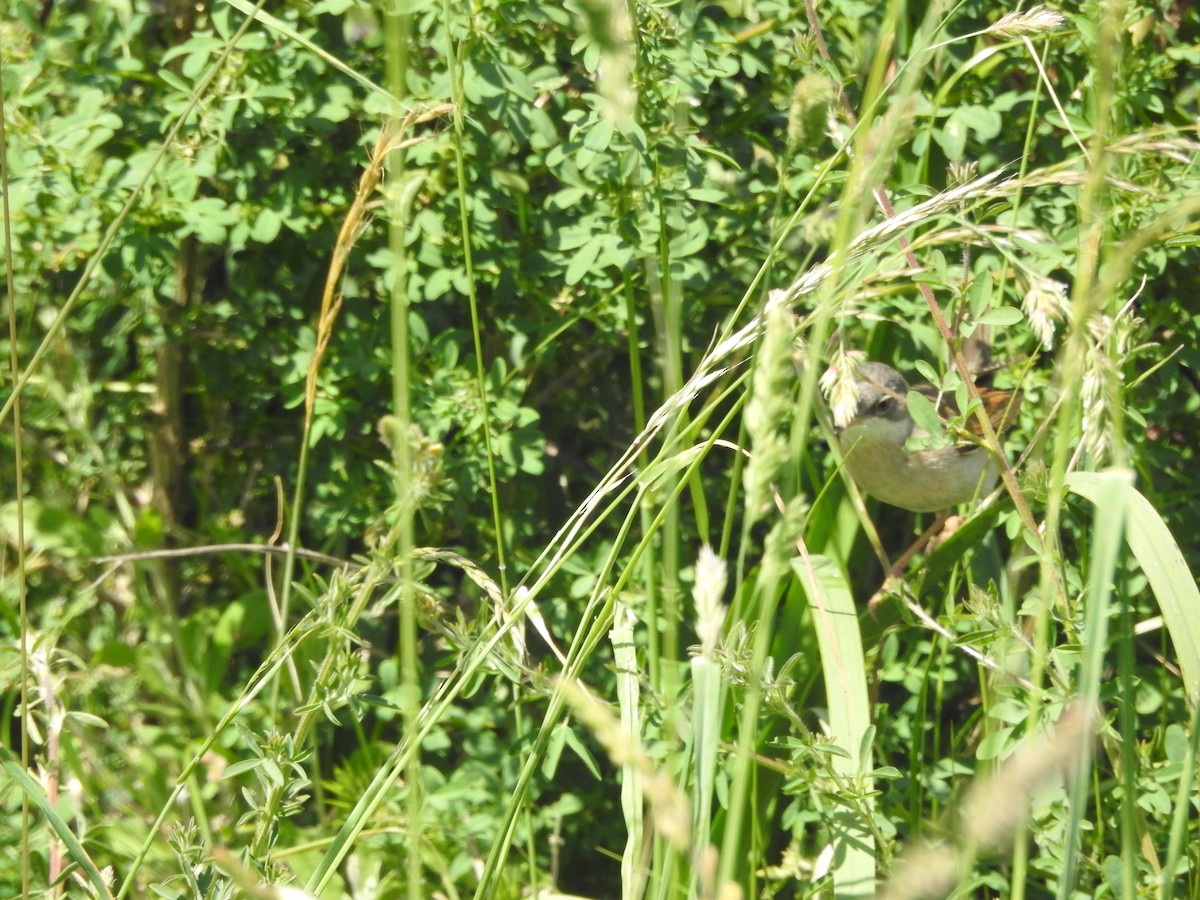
1001, 317
928, 372
1158, 553
331, 7
266, 226
979, 293
209, 219
599, 136
924, 413
582, 261
52, 529
954, 133
835, 619
582, 752
339, 104
691, 241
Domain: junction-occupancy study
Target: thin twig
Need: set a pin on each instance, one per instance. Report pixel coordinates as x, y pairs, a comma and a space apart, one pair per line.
214, 549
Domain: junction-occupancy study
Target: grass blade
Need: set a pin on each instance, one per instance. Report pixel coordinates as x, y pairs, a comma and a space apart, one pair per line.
835, 618
37, 796
1162, 561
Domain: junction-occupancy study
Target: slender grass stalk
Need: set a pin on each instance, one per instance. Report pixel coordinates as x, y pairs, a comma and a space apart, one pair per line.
31, 791
1111, 511
14, 368
397, 35
1179, 815
1084, 303
1126, 764
669, 305
454, 70
633, 861
391, 140
708, 701
649, 569
768, 424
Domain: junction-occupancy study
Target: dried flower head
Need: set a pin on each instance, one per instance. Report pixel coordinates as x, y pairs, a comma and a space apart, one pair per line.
1035, 20
1045, 306
711, 578
839, 385
809, 111
1113, 338
1094, 397
962, 172
768, 411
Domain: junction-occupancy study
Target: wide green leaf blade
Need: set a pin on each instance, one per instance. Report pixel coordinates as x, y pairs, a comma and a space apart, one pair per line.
1161, 560
835, 619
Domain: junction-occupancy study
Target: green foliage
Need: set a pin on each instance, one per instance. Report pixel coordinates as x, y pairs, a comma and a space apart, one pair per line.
601, 220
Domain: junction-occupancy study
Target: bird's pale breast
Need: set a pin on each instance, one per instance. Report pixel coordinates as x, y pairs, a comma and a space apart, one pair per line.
921, 481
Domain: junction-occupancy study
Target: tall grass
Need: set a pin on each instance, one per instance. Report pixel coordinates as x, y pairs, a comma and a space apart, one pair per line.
720, 655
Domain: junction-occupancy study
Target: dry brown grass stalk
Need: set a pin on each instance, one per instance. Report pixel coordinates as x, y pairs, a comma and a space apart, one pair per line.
391, 139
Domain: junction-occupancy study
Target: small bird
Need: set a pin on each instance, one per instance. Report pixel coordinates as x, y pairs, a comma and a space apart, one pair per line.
873, 445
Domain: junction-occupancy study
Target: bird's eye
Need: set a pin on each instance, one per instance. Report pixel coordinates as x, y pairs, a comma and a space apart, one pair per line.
883, 404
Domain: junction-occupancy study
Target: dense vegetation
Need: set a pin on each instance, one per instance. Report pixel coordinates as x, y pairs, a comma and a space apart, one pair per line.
417, 480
